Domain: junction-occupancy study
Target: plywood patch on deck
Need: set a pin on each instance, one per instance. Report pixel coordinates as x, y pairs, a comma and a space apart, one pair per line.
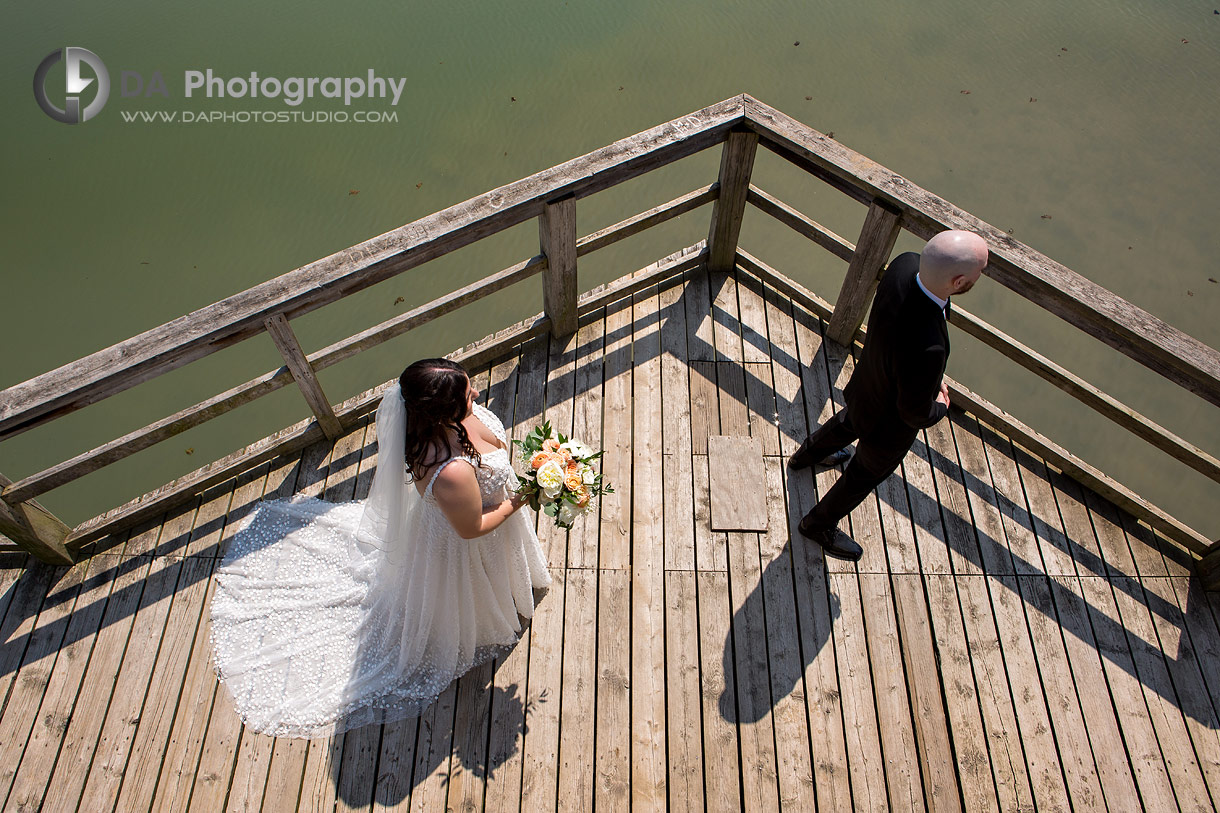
737, 483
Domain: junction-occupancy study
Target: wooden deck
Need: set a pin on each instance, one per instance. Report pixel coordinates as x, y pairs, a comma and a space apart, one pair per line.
1010, 641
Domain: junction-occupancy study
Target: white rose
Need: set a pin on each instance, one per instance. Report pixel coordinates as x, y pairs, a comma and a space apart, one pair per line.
577, 449
567, 514
550, 478
587, 475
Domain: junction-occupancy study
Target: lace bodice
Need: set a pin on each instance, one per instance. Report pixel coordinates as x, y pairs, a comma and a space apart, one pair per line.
495, 473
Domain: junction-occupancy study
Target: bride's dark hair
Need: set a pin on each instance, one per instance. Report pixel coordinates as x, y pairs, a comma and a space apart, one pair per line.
434, 393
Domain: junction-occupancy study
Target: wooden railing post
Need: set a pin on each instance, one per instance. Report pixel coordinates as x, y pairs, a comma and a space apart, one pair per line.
557, 236
281, 333
35, 529
877, 238
736, 165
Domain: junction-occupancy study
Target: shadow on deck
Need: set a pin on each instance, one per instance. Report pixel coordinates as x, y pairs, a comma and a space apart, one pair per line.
1009, 641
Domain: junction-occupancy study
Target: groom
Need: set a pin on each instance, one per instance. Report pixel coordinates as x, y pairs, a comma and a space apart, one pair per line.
898, 385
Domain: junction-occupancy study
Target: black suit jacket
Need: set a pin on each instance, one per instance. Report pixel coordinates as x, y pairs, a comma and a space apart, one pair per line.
892, 393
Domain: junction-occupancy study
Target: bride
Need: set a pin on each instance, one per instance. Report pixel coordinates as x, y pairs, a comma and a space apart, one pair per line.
328, 617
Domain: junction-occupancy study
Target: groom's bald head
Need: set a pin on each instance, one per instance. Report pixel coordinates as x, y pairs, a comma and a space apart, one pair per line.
952, 262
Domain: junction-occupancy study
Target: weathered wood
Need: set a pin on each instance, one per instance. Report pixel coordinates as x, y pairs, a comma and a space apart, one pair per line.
557, 235
801, 224
738, 497
736, 164
539, 783
612, 758
747, 653
648, 735
298, 292
34, 529
62, 689
683, 723
1072, 465
961, 697
1087, 394
587, 427
646, 220
286, 341
876, 241
615, 528
798, 293
1208, 568
576, 741
1100, 313
1003, 737
677, 473
722, 770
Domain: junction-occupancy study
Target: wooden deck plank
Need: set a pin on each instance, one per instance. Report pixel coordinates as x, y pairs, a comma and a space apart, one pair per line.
579, 683
961, 537
1010, 499
898, 744
154, 730
1204, 646
648, 769
1184, 767
615, 530
395, 765
560, 392
467, 767
131, 688
1006, 748
587, 427
923, 500
51, 717
711, 547
1063, 702
737, 483
721, 765
67, 780
817, 611
726, 320
612, 757
700, 325
994, 556
935, 751
1152, 776
433, 753
539, 780
1033, 719
788, 688
970, 749
785, 373
752, 713
676, 430
865, 763
683, 707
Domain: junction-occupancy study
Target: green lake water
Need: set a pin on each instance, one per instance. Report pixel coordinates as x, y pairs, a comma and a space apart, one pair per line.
1087, 128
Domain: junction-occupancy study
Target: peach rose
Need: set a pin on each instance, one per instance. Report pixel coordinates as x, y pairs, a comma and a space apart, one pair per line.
572, 481
582, 497
550, 445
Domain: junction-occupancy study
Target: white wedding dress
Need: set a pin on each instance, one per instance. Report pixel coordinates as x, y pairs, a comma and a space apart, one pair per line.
331, 616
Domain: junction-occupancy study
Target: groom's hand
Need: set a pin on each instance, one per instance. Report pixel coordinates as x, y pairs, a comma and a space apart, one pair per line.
943, 395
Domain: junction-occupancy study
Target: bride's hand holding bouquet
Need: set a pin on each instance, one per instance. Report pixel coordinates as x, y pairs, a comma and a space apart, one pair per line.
560, 480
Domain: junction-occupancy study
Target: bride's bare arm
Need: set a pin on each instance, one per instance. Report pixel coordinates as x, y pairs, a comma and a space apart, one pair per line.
457, 493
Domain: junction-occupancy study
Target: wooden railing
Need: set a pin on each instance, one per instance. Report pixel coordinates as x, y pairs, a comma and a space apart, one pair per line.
741, 124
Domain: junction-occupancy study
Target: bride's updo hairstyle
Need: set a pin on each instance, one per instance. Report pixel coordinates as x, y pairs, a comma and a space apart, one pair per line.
434, 392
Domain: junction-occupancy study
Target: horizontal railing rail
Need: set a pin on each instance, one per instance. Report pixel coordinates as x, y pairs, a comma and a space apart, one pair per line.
741, 124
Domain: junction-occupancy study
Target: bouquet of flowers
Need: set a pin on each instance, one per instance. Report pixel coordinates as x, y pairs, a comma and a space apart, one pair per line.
559, 479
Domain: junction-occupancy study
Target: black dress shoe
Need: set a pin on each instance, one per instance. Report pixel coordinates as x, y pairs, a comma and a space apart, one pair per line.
799, 460
834, 542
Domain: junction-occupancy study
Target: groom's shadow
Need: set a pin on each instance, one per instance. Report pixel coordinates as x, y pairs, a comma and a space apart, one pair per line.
776, 633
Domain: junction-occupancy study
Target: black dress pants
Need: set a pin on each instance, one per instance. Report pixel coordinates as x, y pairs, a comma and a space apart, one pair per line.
873, 461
